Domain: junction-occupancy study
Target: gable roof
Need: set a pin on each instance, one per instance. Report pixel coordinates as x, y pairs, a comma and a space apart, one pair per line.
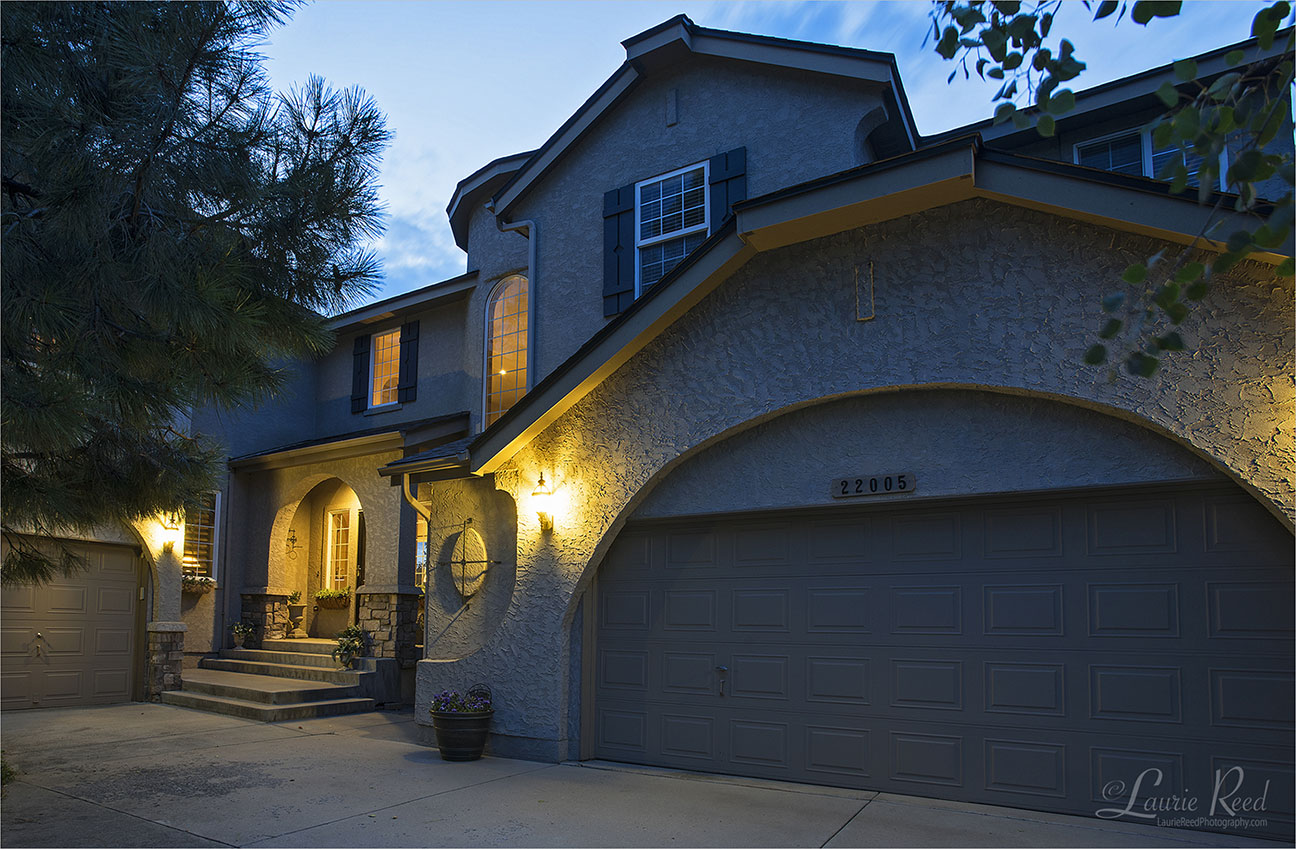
956, 170
667, 43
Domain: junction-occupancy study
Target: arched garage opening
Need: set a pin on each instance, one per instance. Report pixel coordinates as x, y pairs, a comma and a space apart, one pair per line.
1059, 601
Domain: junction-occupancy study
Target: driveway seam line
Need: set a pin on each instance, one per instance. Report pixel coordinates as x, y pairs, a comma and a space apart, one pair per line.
126, 813
849, 820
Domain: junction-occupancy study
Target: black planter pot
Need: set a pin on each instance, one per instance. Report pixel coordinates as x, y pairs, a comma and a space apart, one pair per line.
461, 736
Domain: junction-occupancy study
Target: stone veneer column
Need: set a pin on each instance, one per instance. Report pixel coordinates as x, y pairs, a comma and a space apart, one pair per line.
268, 614
165, 658
391, 620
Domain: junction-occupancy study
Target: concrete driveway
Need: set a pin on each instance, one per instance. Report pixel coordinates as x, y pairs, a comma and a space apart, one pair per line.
155, 775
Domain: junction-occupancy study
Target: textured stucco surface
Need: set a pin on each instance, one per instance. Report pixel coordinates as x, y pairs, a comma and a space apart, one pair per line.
806, 129
1018, 444
954, 310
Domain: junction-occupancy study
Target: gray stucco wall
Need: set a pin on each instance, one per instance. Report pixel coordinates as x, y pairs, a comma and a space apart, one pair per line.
951, 442
806, 129
287, 417
954, 310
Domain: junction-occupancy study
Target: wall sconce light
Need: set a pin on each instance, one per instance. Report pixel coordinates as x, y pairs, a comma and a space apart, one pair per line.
171, 535
542, 496
291, 542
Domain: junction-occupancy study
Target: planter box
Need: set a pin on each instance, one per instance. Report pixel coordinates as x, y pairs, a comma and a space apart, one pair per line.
333, 603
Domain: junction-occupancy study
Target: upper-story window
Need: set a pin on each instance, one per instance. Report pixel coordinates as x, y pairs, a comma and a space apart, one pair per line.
506, 345
671, 220
385, 368
1132, 152
200, 538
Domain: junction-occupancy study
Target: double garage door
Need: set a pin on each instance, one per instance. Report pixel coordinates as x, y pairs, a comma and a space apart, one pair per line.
73, 641
1037, 653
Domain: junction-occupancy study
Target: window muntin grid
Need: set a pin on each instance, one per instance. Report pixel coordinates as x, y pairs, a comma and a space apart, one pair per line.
385, 368
339, 543
200, 539
506, 346
671, 219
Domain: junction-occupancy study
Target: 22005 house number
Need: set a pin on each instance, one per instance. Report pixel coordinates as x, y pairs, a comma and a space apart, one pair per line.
873, 485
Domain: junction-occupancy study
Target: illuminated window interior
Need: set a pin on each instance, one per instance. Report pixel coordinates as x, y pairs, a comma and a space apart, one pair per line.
385, 368
200, 538
506, 338
339, 541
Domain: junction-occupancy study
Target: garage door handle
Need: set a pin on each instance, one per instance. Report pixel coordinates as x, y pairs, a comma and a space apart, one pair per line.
724, 671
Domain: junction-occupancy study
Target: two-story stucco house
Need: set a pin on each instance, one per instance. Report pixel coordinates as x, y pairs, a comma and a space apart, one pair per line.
755, 440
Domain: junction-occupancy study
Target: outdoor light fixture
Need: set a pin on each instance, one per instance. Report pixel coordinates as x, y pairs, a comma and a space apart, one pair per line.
170, 520
542, 495
291, 542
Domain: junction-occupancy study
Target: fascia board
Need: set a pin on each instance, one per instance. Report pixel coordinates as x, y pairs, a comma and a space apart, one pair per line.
359, 446
640, 328
502, 167
834, 64
858, 201
676, 29
1174, 219
567, 135
419, 299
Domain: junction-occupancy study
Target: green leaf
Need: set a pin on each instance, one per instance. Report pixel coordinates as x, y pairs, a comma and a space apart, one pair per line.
1239, 241
1172, 341
1135, 274
1111, 328
1177, 312
1162, 135
1105, 8
1197, 291
1141, 365
1062, 102
1225, 261
1146, 10
1096, 355
1168, 94
1185, 69
1263, 27
1186, 122
995, 73
1046, 24
1021, 120
1003, 112
1012, 61
1007, 7
1113, 302
1287, 267
996, 43
1046, 126
1189, 272
1234, 57
1220, 88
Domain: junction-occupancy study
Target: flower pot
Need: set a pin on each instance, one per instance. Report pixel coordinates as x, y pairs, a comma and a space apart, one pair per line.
238, 640
334, 603
197, 588
461, 736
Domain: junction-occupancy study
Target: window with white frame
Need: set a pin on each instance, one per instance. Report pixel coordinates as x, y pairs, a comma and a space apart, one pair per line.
420, 553
200, 538
671, 220
339, 549
384, 368
1133, 152
506, 345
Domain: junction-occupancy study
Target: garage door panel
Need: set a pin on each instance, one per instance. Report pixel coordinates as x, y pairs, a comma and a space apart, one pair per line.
67, 600
64, 642
1025, 653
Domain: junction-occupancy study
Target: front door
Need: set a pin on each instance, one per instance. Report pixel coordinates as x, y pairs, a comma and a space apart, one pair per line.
341, 544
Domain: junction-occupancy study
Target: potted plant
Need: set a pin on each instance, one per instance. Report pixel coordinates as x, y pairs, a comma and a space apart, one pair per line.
462, 722
296, 613
333, 598
350, 644
242, 630
196, 584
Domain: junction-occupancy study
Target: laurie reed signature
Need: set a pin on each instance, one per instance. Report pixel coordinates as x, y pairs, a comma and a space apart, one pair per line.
1227, 797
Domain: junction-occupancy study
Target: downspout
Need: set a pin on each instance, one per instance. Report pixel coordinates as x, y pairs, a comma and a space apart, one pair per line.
532, 235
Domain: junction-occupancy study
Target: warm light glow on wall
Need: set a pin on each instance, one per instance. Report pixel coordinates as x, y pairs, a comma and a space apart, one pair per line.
549, 501
172, 529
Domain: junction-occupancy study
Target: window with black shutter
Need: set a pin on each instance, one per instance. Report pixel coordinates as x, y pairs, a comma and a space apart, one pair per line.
384, 369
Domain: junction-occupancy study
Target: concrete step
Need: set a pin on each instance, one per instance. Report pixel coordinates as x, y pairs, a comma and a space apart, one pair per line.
323, 661
266, 689
307, 645
282, 670
264, 712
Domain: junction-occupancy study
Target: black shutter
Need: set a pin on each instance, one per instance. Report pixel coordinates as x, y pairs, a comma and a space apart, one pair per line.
407, 383
360, 375
618, 250
728, 179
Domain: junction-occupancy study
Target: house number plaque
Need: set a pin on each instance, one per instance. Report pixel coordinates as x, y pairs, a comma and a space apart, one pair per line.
860, 485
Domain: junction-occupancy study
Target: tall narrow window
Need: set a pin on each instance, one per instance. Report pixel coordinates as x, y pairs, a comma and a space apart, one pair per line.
339, 549
506, 346
420, 552
200, 539
386, 368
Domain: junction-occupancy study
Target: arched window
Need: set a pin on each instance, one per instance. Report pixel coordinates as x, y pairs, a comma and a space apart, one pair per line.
506, 346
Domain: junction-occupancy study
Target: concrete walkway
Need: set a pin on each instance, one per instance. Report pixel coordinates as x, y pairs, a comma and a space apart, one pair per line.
155, 775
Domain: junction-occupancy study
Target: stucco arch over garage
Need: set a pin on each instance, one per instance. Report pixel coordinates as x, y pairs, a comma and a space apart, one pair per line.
782, 332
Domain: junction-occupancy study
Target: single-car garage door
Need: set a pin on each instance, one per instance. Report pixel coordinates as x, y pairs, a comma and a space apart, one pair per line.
73, 641
1037, 652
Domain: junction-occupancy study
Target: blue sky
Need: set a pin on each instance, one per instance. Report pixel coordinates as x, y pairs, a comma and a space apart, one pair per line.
465, 81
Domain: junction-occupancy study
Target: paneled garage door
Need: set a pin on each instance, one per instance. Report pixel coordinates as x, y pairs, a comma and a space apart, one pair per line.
72, 642
1039, 653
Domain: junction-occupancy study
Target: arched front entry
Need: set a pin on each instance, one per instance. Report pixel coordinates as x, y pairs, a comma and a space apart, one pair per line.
1055, 602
